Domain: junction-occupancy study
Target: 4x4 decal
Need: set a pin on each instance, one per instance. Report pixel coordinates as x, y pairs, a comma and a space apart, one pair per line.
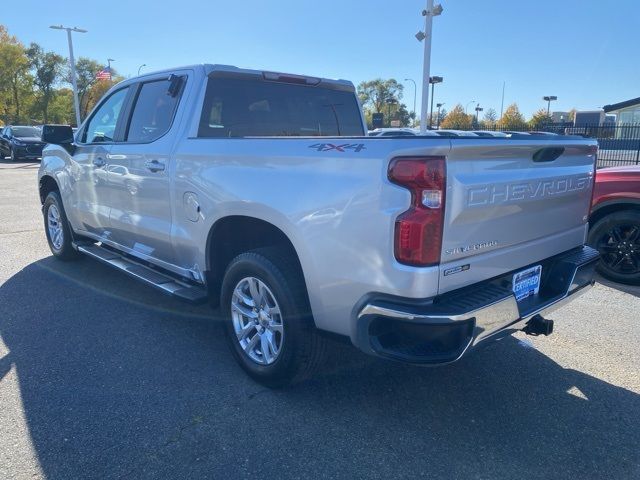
325, 147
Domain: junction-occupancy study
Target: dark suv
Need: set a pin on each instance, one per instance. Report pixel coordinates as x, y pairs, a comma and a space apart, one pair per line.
21, 142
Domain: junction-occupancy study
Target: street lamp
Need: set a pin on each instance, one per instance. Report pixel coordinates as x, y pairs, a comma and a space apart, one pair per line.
390, 101
426, 36
72, 64
549, 99
478, 110
439, 106
140, 68
415, 94
433, 81
467, 106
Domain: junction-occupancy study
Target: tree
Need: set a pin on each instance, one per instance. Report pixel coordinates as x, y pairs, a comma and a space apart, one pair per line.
512, 119
490, 118
86, 70
456, 119
61, 107
15, 81
47, 68
540, 119
572, 114
374, 93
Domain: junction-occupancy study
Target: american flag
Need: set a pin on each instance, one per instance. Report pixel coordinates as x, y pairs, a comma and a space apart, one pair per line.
104, 74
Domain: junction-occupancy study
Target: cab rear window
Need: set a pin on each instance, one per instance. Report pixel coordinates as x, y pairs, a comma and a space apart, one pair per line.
238, 107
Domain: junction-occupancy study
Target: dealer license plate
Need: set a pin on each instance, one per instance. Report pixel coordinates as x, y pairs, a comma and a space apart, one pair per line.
527, 282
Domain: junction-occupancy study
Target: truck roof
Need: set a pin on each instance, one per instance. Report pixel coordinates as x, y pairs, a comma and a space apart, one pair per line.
232, 70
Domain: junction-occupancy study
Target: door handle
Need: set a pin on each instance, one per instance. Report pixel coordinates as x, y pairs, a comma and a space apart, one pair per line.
154, 165
99, 162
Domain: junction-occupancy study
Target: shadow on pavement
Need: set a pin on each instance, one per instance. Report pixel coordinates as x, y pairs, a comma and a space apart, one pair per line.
630, 289
124, 386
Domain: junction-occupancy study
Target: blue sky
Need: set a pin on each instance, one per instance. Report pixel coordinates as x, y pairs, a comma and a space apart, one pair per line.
583, 51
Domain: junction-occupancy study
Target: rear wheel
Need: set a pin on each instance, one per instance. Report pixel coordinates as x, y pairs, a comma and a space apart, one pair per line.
57, 228
617, 238
268, 323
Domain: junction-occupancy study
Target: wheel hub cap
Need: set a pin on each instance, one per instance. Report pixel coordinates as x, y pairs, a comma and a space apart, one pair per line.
54, 226
257, 320
620, 249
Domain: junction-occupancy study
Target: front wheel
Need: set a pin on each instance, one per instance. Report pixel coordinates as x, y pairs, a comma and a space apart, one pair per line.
268, 322
57, 228
13, 156
617, 238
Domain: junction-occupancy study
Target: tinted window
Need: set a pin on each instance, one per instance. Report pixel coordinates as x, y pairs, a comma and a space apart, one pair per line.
102, 126
153, 112
25, 132
236, 107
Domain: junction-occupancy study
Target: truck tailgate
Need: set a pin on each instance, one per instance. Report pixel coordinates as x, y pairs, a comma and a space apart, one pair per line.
511, 205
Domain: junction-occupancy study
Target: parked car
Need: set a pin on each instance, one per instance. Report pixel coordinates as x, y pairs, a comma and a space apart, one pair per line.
489, 133
20, 142
397, 132
513, 132
415, 249
455, 133
615, 223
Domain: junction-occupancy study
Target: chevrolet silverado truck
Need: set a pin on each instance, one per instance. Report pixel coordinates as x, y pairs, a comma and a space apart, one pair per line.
261, 193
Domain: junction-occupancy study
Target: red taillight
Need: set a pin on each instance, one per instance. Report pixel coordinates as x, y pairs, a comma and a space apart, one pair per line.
418, 233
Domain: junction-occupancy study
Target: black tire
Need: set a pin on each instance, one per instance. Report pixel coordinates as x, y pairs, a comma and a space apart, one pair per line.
65, 250
13, 156
617, 238
302, 348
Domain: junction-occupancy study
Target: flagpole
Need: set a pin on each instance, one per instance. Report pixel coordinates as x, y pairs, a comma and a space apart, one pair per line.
109, 60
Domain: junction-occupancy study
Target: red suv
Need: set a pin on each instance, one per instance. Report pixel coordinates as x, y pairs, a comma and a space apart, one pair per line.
615, 223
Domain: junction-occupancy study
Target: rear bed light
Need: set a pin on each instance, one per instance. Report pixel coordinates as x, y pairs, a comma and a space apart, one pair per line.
418, 231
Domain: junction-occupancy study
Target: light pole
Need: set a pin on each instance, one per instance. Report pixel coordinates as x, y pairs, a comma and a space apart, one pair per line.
72, 64
439, 106
390, 101
467, 106
415, 94
433, 81
140, 68
478, 110
426, 36
549, 99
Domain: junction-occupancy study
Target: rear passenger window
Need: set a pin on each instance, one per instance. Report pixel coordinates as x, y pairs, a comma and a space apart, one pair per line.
153, 112
241, 107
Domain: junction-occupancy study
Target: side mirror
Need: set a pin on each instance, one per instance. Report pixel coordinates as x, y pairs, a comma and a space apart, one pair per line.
57, 134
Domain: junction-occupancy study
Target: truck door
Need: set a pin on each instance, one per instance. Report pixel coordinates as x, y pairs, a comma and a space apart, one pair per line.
90, 196
139, 178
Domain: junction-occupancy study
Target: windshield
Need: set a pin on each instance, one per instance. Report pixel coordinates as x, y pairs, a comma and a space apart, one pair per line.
25, 132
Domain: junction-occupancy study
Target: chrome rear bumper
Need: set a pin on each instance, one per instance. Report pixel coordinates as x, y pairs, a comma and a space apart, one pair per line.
441, 330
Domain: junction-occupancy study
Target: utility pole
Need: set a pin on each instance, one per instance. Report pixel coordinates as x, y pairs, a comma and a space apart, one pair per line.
549, 99
478, 110
439, 105
72, 64
415, 94
427, 36
433, 81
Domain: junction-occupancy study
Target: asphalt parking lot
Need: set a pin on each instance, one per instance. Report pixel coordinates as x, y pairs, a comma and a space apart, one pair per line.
101, 377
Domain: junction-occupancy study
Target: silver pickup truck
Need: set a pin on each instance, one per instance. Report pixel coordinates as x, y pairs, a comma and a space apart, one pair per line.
261, 193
